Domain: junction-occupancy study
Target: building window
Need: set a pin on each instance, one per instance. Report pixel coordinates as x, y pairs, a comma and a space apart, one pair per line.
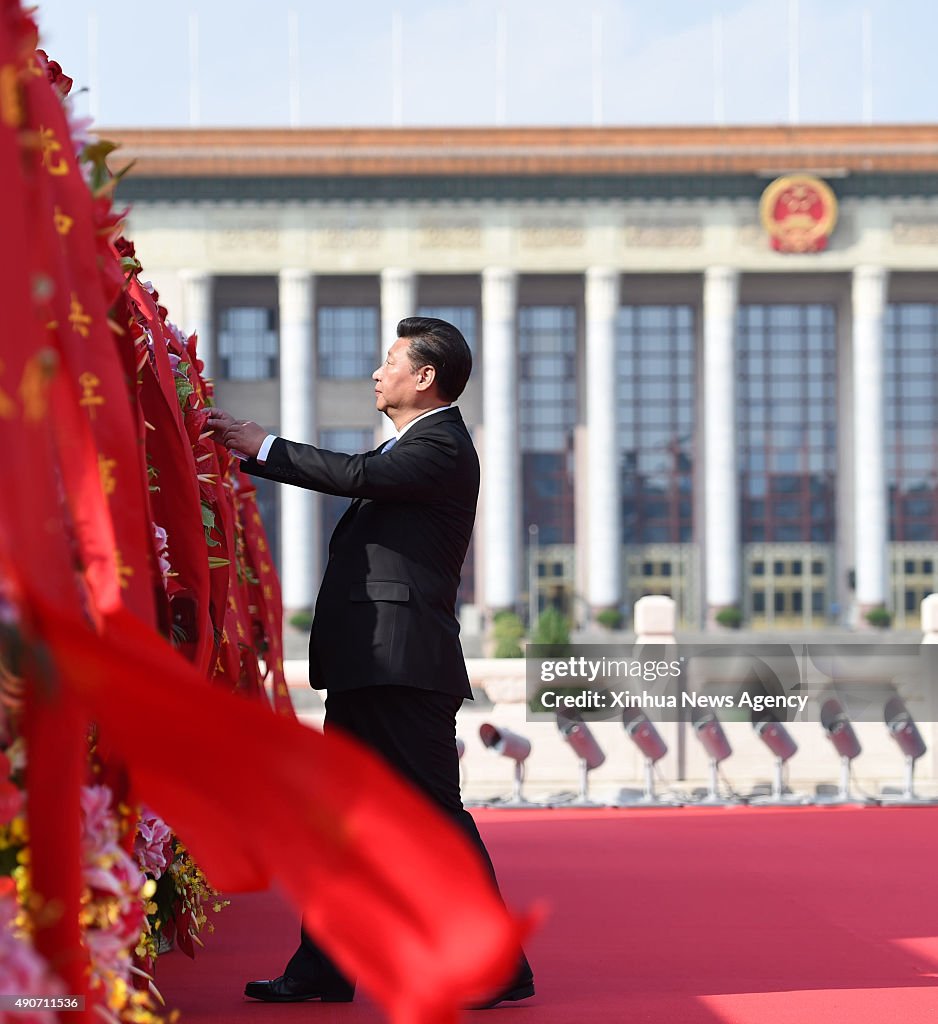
351, 441
911, 340
787, 421
247, 343
463, 318
547, 415
348, 342
655, 366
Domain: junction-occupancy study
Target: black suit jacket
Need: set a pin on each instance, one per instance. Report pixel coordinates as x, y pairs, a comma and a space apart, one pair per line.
386, 612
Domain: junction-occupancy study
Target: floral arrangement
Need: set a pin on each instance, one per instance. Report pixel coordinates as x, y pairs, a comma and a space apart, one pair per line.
202, 575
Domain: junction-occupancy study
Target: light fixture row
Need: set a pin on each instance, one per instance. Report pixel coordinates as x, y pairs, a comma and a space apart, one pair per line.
709, 731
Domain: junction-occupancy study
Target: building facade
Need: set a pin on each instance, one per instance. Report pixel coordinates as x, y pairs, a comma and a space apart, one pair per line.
672, 392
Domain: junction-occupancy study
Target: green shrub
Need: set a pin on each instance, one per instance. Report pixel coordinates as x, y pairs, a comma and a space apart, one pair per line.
879, 618
301, 620
730, 617
610, 618
552, 629
508, 631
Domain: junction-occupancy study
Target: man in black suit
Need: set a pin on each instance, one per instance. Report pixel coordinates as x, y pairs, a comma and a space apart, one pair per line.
385, 639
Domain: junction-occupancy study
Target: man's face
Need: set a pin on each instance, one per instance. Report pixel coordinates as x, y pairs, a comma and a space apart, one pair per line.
395, 380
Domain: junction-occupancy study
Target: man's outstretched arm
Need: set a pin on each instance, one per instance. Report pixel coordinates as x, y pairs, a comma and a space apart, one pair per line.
415, 470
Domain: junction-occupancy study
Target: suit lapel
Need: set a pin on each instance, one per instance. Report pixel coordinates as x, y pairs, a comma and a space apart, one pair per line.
452, 414
349, 514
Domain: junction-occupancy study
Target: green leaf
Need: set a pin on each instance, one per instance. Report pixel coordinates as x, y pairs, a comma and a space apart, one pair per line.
183, 389
217, 563
96, 154
99, 150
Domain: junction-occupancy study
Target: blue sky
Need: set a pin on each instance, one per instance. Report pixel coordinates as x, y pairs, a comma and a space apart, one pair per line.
657, 61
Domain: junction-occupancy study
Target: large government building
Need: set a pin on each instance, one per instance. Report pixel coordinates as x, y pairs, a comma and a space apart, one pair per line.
706, 359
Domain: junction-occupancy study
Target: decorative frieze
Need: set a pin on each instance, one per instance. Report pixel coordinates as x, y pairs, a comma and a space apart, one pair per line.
559, 234
245, 239
363, 236
915, 230
449, 234
663, 234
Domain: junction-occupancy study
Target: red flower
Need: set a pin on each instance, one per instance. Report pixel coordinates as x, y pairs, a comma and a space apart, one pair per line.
11, 802
53, 69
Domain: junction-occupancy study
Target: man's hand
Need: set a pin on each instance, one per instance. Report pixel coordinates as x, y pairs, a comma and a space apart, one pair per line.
241, 436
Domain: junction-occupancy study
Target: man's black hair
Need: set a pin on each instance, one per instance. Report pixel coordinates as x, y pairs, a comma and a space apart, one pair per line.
441, 345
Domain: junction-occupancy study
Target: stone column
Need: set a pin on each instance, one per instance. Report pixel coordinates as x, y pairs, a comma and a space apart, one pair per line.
501, 485
196, 287
299, 508
721, 483
603, 539
869, 449
398, 299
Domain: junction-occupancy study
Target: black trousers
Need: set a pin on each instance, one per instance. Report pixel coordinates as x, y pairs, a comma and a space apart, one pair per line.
415, 732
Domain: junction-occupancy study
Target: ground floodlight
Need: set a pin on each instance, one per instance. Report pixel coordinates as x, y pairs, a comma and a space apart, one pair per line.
509, 744
710, 732
642, 732
776, 737
840, 732
905, 732
582, 742
903, 729
644, 735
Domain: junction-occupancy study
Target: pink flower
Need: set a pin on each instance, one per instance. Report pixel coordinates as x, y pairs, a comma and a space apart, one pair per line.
153, 844
99, 830
22, 970
115, 883
162, 551
110, 947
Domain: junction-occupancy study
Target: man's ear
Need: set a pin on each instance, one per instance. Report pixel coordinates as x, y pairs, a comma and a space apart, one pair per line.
426, 376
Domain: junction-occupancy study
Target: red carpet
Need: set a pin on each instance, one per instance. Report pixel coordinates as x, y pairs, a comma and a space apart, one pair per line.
694, 916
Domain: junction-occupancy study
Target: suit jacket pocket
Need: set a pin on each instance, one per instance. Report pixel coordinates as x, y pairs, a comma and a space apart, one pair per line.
380, 590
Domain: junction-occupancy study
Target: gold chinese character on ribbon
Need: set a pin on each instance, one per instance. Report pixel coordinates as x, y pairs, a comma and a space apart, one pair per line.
124, 572
63, 223
89, 383
106, 469
78, 318
53, 159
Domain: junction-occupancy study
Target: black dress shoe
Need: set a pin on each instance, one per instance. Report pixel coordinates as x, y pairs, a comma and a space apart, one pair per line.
298, 990
521, 986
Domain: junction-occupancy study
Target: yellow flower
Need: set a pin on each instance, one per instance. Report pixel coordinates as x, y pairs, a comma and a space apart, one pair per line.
117, 997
